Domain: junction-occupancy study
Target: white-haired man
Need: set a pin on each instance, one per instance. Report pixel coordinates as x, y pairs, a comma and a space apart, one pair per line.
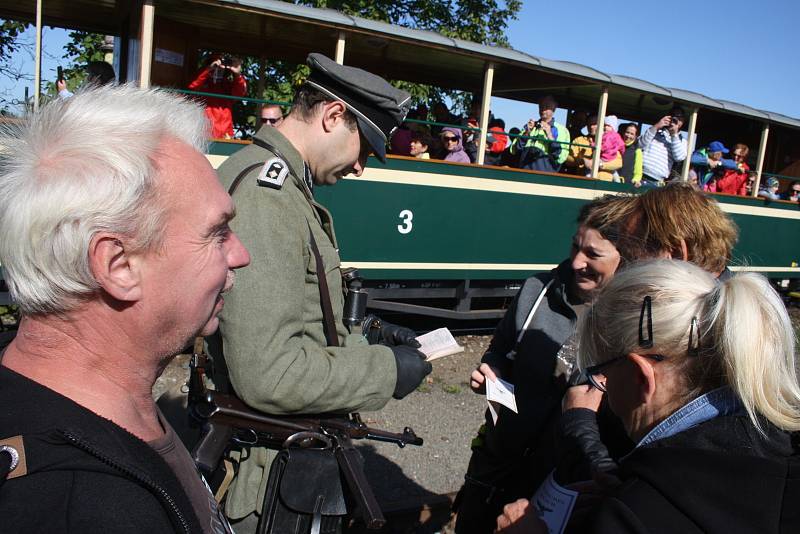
117, 252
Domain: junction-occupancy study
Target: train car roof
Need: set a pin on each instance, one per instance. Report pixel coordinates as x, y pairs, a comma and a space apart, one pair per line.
395, 52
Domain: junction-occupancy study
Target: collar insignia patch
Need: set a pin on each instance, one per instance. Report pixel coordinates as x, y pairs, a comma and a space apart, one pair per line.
273, 174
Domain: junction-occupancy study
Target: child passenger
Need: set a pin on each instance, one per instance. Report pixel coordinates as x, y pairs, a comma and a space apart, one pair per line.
612, 148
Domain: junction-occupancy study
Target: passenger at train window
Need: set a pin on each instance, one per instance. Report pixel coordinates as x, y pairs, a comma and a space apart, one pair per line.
271, 115
400, 141
451, 141
769, 189
709, 164
222, 75
469, 139
496, 142
612, 147
442, 115
510, 157
733, 181
545, 144
420, 113
751, 183
792, 192
419, 145
631, 170
97, 73
581, 149
662, 147
576, 121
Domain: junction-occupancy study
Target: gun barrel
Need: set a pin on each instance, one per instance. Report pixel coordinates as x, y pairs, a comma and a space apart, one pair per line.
350, 463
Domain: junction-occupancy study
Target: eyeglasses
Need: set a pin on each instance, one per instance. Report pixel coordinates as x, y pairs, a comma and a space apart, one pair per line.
271, 120
593, 371
448, 139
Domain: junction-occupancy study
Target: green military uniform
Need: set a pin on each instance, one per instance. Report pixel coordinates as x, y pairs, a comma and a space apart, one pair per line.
272, 324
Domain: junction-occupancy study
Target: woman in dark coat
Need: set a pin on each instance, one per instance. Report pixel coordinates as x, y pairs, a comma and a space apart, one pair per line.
703, 375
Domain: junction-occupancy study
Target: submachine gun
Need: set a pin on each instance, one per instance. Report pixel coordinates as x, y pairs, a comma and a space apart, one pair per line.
227, 422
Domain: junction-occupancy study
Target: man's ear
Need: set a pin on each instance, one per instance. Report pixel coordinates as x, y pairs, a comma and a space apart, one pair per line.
332, 114
114, 268
645, 376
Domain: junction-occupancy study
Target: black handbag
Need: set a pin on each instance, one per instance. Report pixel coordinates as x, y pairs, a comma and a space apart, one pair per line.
304, 494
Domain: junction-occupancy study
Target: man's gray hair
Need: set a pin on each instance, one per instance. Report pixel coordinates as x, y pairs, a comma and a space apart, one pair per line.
77, 167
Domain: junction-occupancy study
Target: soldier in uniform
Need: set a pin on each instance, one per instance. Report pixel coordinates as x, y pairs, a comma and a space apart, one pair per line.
282, 356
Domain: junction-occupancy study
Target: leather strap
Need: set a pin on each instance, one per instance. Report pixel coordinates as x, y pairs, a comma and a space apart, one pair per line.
328, 321
238, 179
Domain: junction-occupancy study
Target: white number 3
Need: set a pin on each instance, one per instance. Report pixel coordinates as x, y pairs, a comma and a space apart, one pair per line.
407, 216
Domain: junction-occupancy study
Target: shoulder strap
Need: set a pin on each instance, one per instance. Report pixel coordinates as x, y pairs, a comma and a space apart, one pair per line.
329, 323
513, 352
241, 175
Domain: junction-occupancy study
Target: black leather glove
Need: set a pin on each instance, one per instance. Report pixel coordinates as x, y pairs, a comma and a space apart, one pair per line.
411, 369
378, 331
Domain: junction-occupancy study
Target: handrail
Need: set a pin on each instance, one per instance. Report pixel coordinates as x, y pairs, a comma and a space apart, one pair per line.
416, 121
230, 97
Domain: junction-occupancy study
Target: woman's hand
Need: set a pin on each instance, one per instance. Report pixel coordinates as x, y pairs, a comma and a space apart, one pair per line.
583, 396
520, 517
477, 380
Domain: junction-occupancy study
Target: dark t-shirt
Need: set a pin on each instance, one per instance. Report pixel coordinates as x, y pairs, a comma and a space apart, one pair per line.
171, 449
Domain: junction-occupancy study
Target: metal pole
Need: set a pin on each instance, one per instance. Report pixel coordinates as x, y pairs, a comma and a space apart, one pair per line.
37, 75
488, 78
687, 163
598, 136
146, 40
340, 42
762, 153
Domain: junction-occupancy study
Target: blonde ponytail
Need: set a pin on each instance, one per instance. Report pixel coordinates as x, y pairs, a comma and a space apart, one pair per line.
753, 334
746, 340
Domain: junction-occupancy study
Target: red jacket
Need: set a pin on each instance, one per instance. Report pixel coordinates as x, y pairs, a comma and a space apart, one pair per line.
500, 140
734, 182
219, 110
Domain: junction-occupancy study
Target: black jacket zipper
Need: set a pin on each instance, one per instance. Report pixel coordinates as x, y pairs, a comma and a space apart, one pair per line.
165, 497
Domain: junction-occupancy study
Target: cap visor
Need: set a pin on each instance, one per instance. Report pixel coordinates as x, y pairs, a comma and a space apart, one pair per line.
374, 139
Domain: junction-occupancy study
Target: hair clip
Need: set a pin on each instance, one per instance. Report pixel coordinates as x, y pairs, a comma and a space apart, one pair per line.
694, 338
647, 307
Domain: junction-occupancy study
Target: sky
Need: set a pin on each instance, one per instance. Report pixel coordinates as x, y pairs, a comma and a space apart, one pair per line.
735, 50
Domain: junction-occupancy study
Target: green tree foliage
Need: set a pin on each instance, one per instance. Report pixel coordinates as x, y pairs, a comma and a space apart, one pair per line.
9, 39
81, 48
10, 43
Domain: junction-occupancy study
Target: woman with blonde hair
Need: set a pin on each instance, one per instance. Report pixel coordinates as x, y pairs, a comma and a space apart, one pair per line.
703, 376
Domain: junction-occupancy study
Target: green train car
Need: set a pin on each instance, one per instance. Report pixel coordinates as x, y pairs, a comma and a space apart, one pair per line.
464, 236
434, 238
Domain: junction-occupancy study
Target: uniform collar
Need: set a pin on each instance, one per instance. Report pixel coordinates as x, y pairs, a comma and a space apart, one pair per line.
300, 172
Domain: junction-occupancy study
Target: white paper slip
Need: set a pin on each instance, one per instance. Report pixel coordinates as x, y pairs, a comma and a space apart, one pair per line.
501, 392
554, 504
493, 412
438, 343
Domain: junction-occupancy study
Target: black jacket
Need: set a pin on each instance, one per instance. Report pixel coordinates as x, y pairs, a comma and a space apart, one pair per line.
721, 476
84, 473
